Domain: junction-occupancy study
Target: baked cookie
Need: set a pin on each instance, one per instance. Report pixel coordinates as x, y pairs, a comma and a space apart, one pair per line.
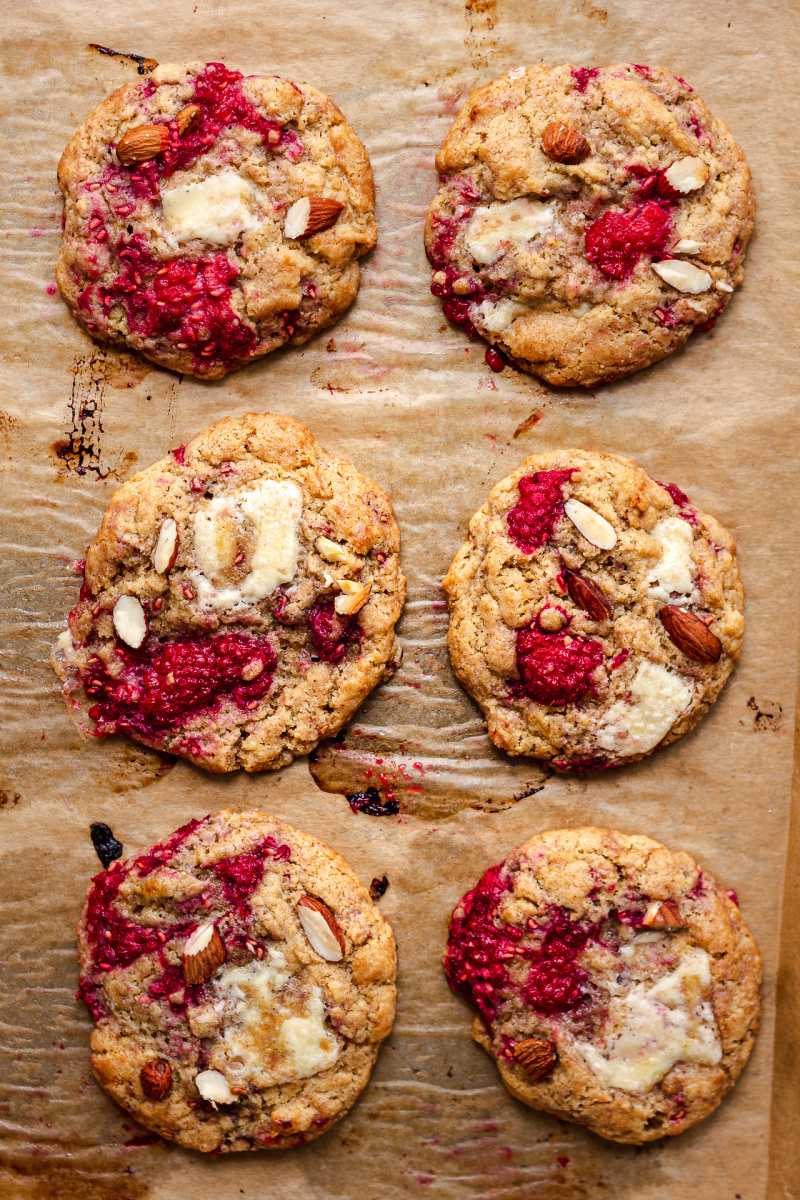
594, 613
241, 981
210, 218
239, 599
616, 983
588, 221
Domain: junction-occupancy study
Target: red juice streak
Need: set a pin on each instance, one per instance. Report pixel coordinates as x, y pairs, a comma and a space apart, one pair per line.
533, 519
330, 633
163, 852
162, 685
554, 669
586, 762
582, 75
241, 875
616, 241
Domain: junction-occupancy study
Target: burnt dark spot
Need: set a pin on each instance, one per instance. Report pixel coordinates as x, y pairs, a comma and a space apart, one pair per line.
104, 842
378, 887
143, 65
372, 803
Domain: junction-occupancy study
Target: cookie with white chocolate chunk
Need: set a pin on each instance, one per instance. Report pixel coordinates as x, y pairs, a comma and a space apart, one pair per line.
595, 614
210, 217
587, 220
239, 599
241, 981
616, 983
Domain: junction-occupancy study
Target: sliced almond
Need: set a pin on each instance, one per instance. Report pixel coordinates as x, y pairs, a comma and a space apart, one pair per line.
688, 246
595, 529
684, 276
189, 118
309, 215
587, 595
214, 1087
537, 1057
691, 635
142, 143
321, 928
203, 954
330, 551
663, 914
353, 597
130, 621
166, 550
156, 1078
687, 174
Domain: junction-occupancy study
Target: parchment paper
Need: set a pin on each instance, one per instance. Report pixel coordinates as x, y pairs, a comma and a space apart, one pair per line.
408, 400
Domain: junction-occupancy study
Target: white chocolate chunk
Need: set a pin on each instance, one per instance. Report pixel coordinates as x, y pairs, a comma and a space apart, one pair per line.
308, 1044
684, 276
687, 174
217, 210
674, 571
688, 246
129, 621
494, 225
214, 1087
722, 286
657, 699
595, 529
651, 1028
498, 315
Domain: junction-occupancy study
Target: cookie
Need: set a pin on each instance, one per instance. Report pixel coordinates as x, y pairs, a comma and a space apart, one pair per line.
239, 599
241, 981
588, 221
211, 217
595, 614
617, 985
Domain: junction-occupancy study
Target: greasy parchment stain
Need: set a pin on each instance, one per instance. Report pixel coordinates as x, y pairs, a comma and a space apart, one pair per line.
143, 65
82, 450
480, 41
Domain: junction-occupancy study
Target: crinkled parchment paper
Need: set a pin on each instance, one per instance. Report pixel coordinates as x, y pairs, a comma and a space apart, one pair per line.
410, 401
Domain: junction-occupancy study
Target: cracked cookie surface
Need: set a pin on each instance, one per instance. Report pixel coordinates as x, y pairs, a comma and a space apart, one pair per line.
270, 1042
616, 982
584, 268
239, 599
185, 256
591, 653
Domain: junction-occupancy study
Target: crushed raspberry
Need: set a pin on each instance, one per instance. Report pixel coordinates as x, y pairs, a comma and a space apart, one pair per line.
331, 633
164, 852
372, 803
242, 874
682, 501
459, 311
617, 240
586, 762
163, 684
555, 982
186, 300
582, 75
494, 359
555, 668
533, 519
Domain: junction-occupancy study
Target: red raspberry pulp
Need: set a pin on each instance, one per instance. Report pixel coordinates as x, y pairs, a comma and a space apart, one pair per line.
555, 668
617, 240
330, 633
533, 519
242, 874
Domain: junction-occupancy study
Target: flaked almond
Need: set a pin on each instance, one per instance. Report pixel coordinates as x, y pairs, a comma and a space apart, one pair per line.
688, 246
189, 118
214, 1087
130, 621
595, 529
687, 174
663, 914
683, 276
329, 550
587, 595
203, 954
353, 597
142, 143
321, 928
691, 635
309, 215
166, 550
252, 669
563, 144
156, 1078
537, 1057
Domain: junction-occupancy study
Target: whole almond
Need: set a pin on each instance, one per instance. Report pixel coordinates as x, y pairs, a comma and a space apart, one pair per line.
663, 914
142, 143
537, 1057
311, 214
203, 954
189, 118
691, 635
587, 596
321, 928
156, 1078
563, 144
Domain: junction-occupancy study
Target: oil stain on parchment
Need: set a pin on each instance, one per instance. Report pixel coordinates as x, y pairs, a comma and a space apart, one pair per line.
81, 450
481, 17
143, 65
768, 715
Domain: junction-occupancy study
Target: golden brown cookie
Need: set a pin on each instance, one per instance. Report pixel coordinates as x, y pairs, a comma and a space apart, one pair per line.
595, 614
616, 983
588, 221
241, 981
211, 217
239, 600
